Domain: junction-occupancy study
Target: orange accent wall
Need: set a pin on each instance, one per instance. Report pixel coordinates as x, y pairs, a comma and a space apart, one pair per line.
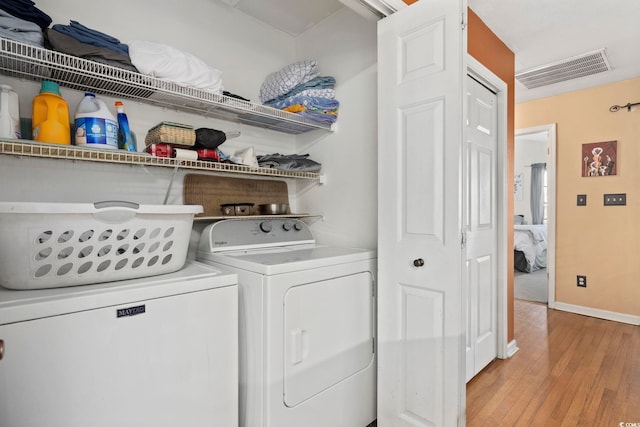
487, 48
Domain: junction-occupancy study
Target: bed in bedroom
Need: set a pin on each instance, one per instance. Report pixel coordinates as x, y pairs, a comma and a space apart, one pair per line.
530, 247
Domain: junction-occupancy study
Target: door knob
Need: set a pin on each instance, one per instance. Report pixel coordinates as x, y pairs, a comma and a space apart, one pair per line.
418, 262
1, 349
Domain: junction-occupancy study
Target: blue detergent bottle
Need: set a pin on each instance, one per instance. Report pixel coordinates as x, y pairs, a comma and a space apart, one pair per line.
125, 137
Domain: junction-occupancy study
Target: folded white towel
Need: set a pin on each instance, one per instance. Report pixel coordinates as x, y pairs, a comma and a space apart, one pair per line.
171, 64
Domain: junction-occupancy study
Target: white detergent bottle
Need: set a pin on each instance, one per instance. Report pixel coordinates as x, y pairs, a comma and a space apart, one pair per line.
95, 125
9, 113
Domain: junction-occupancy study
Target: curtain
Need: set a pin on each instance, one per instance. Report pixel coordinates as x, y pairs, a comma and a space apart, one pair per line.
537, 195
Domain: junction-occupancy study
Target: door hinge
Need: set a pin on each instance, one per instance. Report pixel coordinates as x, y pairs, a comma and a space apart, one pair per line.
463, 22
373, 345
463, 239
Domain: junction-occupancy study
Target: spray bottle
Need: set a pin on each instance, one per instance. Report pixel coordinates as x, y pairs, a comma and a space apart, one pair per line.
125, 136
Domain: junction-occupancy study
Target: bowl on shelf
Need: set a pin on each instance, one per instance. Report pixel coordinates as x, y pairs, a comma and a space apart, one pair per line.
237, 209
273, 209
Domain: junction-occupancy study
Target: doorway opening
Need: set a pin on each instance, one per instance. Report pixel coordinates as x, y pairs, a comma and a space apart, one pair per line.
534, 232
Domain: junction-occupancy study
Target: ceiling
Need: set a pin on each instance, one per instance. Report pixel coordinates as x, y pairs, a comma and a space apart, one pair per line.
291, 16
539, 32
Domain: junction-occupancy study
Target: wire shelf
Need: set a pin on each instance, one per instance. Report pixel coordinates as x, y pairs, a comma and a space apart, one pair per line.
68, 152
307, 218
35, 63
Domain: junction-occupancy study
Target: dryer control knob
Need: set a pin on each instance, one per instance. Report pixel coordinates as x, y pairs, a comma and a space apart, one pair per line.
286, 226
265, 227
297, 226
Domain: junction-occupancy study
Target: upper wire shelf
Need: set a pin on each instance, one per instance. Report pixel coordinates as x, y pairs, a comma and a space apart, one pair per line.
36, 63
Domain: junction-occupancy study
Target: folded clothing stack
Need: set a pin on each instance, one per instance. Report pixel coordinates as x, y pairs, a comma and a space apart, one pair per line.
298, 88
89, 36
289, 162
27, 11
22, 21
78, 40
19, 29
60, 42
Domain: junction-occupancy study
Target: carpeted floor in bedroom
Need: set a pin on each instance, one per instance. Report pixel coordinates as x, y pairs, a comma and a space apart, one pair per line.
531, 286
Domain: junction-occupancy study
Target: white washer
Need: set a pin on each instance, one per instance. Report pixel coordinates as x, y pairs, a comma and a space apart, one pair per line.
307, 323
155, 351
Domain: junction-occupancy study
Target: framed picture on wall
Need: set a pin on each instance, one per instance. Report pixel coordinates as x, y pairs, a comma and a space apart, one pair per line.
599, 158
517, 186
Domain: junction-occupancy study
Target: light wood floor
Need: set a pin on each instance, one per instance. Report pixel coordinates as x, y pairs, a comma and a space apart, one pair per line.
571, 370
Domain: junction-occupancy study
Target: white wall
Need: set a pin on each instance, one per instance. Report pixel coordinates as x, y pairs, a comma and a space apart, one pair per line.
242, 48
245, 50
345, 46
528, 150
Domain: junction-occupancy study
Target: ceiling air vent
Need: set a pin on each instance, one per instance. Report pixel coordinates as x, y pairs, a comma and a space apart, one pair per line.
583, 65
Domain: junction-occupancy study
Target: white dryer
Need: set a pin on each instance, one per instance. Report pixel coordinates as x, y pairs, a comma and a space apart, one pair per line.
307, 323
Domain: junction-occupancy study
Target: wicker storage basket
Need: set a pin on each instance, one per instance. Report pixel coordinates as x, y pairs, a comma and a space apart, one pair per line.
171, 133
51, 245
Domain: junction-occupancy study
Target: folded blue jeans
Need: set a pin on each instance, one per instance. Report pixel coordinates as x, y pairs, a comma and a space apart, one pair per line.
92, 37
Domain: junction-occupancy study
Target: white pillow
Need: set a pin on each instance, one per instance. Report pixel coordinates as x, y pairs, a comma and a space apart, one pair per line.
171, 64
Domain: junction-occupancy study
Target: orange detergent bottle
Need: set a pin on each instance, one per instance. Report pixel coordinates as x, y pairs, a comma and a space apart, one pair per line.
50, 120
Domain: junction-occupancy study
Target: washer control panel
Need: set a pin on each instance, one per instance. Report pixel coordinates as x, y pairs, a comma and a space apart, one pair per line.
233, 234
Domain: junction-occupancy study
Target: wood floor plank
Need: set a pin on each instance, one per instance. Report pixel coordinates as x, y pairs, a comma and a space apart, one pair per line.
571, 370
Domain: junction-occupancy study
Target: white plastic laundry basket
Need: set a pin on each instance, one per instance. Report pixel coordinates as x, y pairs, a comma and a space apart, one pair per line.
50, 245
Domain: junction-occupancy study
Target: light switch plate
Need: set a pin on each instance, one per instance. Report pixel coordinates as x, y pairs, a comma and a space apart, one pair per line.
582, 200
619, 199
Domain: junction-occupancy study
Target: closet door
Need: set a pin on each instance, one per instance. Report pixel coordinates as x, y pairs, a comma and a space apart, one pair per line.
481, 226
421, 91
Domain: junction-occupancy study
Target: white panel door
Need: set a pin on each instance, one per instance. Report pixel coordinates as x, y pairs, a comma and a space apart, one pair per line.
481, 227
421, 80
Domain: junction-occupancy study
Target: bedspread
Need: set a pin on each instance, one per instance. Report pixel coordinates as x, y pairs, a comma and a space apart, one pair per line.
532, 241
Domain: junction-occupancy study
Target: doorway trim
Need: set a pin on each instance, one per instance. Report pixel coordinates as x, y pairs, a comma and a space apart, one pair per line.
485, 76
550, 129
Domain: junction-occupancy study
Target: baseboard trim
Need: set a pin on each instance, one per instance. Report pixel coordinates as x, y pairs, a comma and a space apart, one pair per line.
512, 348
600, 314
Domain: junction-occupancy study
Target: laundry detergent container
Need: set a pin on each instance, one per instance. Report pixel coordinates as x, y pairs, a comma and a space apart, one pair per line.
51, 245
